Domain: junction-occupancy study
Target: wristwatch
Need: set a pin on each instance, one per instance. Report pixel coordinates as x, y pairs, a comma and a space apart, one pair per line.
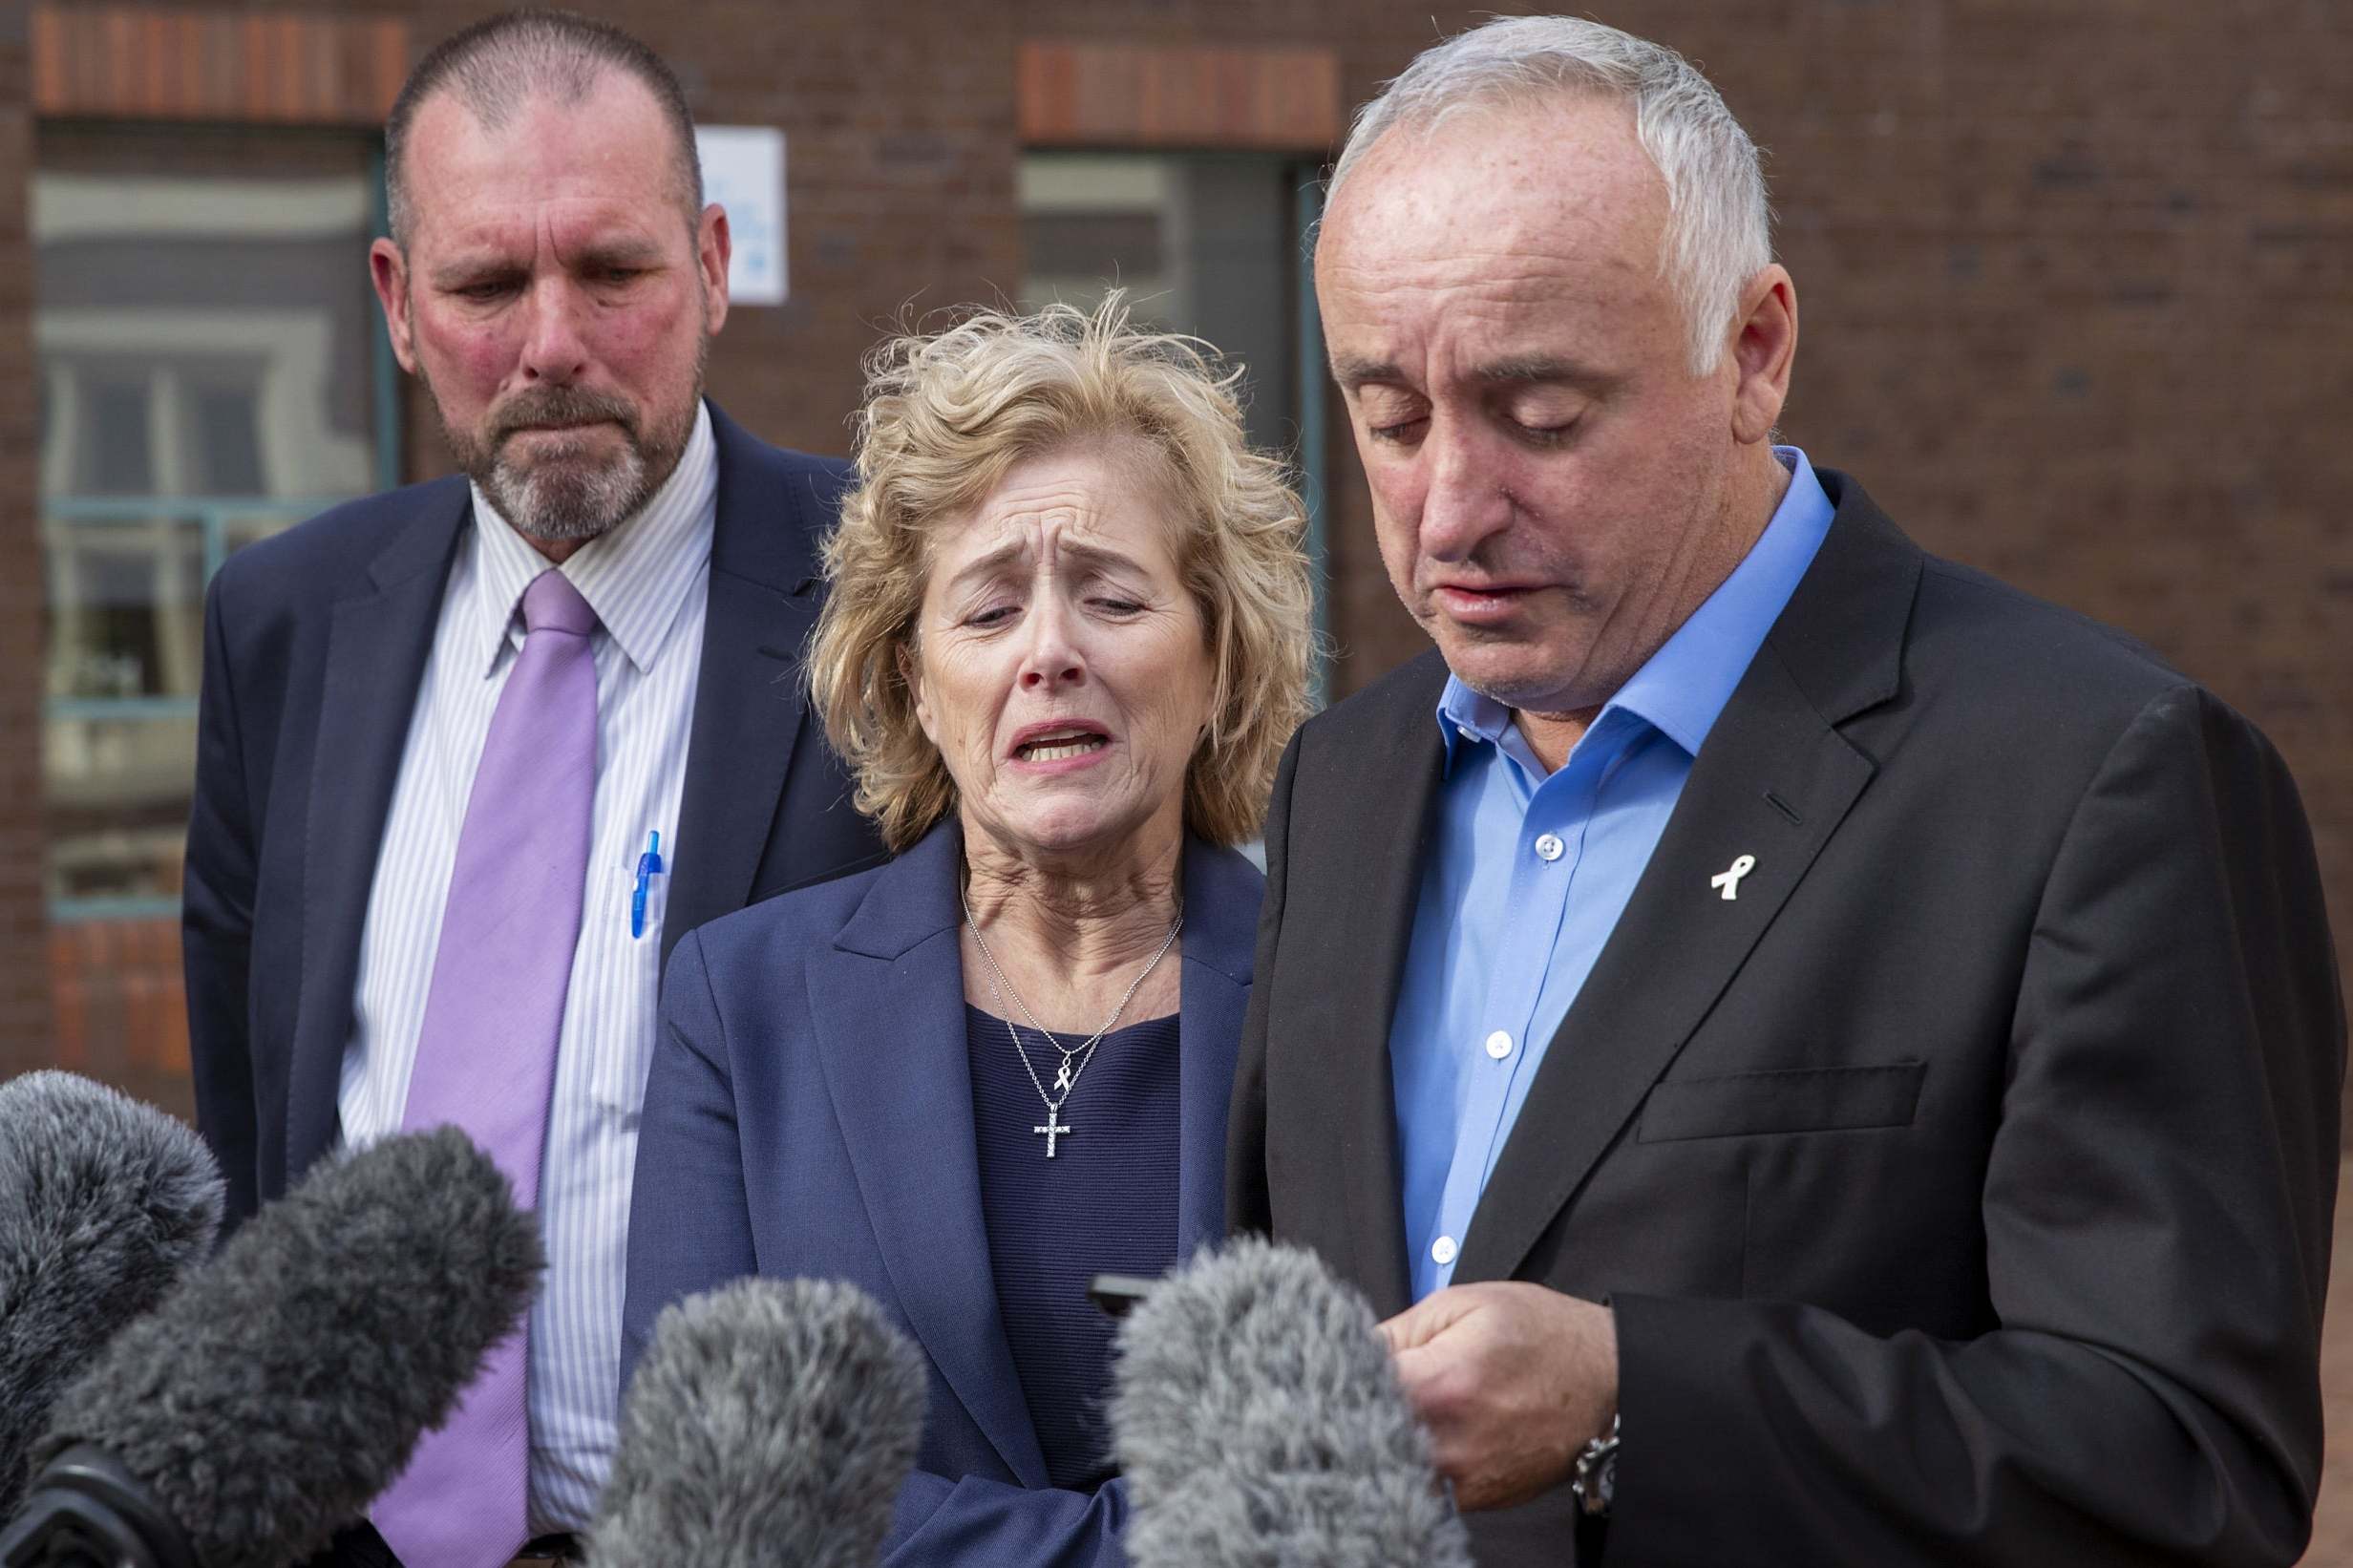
1595, 1479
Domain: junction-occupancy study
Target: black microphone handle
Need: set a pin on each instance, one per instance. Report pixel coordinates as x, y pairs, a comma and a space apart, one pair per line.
86, 1511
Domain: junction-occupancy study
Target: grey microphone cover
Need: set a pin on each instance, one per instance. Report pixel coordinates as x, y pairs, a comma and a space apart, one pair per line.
1260, 1425
285, 1382
104, 1205
772, 1422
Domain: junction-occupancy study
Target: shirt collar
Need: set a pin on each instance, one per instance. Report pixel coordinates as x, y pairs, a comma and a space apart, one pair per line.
1466, 716
635, 577
1682, 688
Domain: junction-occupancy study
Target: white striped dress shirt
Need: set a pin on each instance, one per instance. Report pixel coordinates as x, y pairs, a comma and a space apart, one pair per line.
649, 582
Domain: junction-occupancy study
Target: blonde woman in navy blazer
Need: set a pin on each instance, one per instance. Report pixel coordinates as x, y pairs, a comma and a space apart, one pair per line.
1065, 640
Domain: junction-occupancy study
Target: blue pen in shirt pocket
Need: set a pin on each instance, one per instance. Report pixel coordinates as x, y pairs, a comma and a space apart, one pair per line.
648, 867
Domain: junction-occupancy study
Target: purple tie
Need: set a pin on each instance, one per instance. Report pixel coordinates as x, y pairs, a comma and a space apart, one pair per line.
486, 1056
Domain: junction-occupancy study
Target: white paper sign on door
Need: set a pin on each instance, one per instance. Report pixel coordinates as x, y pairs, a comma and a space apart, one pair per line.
743, 171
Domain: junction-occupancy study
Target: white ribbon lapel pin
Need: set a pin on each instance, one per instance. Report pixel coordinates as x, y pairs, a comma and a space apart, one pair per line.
1729, 879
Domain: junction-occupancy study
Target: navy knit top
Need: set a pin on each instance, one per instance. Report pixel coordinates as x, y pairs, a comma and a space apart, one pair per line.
1106, 1203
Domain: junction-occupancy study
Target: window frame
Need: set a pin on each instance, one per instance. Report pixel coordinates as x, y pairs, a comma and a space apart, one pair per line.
215, 517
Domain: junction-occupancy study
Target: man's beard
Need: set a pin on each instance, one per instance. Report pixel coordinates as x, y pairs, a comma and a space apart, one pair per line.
569, 492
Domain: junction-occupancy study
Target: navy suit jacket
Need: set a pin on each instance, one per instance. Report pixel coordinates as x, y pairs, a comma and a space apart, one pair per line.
314, 644
810, 1115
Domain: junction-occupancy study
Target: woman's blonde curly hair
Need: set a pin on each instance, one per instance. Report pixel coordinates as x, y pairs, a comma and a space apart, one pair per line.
946, 416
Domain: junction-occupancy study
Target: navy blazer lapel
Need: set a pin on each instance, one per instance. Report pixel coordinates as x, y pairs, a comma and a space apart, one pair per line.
1774, 780
1221, 892
888, 1001
747, 697
376, 648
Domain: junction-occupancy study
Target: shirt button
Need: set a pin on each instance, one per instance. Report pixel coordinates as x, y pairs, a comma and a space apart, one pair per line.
1549, 848
1442, 1251
1499, 1044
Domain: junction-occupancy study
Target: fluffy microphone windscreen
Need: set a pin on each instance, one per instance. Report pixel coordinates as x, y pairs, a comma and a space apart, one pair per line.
285, 1383
771, 1423
1260, 1425
104, 1205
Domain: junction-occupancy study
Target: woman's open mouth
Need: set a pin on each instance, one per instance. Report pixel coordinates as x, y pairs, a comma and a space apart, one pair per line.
1055, 747
1047, 741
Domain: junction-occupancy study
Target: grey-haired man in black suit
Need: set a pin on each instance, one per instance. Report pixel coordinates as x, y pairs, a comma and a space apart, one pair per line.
1821, 1058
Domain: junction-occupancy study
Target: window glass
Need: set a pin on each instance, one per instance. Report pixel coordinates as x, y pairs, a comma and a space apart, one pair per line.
211, 371
1204, 242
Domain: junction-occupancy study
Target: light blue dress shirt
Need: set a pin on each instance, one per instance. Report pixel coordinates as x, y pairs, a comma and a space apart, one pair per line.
1528, 873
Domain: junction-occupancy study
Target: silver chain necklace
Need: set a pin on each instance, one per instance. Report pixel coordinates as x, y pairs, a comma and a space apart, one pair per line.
1066, 1079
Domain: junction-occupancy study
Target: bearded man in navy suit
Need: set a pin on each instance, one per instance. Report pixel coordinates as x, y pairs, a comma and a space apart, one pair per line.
554, 280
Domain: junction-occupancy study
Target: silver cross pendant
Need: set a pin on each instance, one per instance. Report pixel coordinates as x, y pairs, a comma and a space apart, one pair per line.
1052, 1130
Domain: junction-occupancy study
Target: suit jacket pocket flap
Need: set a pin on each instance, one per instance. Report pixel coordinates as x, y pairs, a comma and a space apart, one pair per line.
1807, 1100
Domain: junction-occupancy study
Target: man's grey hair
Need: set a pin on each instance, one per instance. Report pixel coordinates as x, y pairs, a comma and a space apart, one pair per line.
501, 63
1719, 231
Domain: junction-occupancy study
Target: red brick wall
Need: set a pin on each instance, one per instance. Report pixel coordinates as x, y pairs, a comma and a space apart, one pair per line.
2076, 285
120, 1007
24, 984
149, 62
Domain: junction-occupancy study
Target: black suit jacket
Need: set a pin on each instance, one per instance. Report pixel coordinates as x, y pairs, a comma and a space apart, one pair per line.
314, 644
1962, 1188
